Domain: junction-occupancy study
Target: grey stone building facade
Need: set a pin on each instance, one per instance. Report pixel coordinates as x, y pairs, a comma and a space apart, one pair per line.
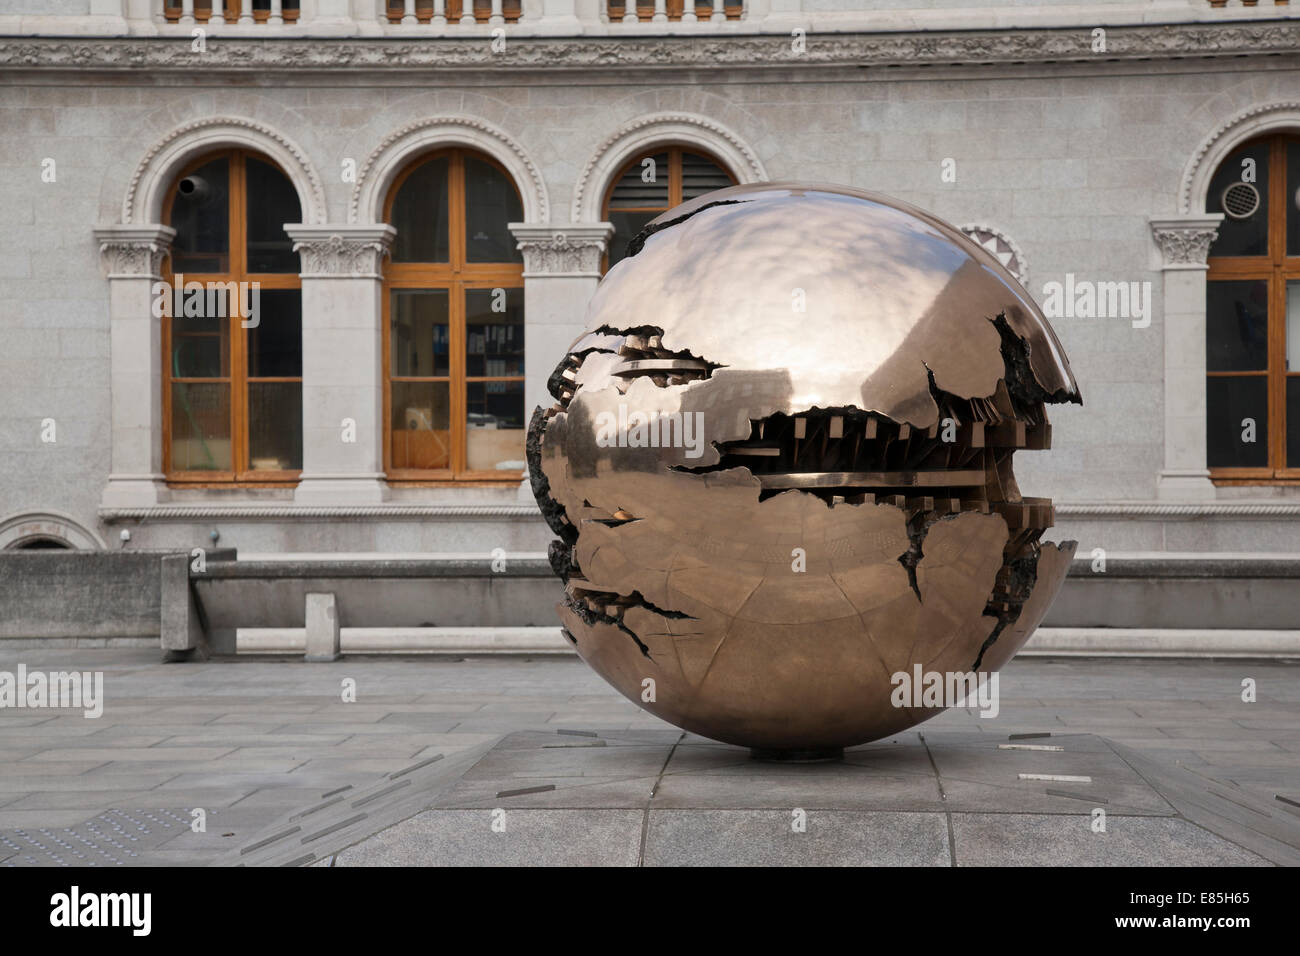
1085, 144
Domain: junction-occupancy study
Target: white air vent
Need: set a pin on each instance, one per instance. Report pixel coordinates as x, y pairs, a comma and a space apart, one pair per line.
1240, 200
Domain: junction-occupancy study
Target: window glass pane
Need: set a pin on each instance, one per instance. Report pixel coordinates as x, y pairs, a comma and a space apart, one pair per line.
272, 202
1242, 232
626, 226
420, 342
644, 184
200, 347
1293, 198
262, 6
420, 215
1236, 325
490, 203
1293, 421
420, 436
494, 332
275, 342
1293, 380
494, 439
274, 426
201, 218
701, 175
1293, 325
1230, 401
200, 426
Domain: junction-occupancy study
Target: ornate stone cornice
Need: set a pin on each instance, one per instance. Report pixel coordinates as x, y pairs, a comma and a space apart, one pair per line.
205, 512
291, 54
339, 251
133, 252
275, 512
562, 250
1184, 510
1185, 242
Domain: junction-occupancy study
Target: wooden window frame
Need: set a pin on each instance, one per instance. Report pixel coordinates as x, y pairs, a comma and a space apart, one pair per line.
457, 275
674, 152
1276, 268
237, 378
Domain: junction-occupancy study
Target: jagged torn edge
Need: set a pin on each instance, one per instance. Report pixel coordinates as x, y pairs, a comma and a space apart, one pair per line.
1021, 383
588, 616
560, 553
639, 240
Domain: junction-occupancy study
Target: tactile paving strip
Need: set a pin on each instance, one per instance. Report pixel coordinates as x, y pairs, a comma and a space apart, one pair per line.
114, 838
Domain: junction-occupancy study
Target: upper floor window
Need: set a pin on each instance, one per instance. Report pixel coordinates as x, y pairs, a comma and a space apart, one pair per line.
481, 10
231, 10
1253, 315
454, 322
644, 10
231, 314
653, 183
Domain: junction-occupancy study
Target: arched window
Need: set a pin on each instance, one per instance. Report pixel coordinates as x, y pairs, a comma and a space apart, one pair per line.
43, 544
655, 182
1253, 315
454, 323
232, 324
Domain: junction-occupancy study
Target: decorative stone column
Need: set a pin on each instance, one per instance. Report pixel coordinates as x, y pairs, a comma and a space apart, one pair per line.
133, 257
342, 362
1184, 245
561, 270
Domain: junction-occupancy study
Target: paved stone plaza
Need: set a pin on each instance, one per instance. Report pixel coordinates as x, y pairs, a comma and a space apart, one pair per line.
413, 770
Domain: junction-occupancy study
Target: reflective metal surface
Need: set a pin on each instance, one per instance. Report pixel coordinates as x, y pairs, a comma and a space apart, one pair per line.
780, 465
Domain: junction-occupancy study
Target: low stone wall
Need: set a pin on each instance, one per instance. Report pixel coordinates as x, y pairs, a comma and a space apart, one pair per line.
1179, 590
80, 594
95, 595
129, 596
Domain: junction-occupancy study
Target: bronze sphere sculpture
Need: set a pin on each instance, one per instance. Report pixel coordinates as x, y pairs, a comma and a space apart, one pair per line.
779, 465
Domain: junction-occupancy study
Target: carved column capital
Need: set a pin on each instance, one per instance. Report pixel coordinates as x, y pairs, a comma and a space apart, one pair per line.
134, 252
341, 251
573, 250
1185, 242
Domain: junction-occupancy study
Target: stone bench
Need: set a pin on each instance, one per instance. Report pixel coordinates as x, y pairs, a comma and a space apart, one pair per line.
323, 593
1166, 604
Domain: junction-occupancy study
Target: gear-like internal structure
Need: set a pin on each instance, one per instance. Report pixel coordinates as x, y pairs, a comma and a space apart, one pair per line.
780, 466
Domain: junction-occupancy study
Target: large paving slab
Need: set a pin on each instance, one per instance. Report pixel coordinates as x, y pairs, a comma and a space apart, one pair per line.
1040, 840
253, 743
954, 798
766, 838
